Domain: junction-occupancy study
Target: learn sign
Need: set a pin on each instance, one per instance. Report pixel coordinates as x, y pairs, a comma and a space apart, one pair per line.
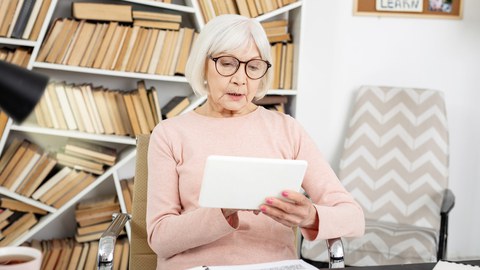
400, 5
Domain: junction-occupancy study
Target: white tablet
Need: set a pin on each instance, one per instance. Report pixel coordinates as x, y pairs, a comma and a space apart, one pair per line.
245, 182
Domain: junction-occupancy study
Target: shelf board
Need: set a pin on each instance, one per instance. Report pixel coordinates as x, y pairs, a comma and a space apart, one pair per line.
112, 73
44, 221
18, 42
26, 200
281, 10
163, 5
74, 134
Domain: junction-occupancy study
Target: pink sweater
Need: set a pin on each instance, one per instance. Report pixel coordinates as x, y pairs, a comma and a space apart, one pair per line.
184, 235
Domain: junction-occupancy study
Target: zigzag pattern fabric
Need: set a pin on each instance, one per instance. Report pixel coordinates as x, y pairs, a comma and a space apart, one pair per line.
395, 164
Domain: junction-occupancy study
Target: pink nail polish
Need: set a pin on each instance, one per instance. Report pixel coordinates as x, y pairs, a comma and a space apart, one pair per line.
284, 194
263, 209
269, 201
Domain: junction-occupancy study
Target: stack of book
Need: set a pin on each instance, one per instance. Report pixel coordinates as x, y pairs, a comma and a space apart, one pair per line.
94, 216
16, 218
273, 102
282, 58
127, 192
22, 19
69, 254
175, 106
156, 20
247, 8
24, 166
19, 56
119, 47
277, 31
87, 156
99, 110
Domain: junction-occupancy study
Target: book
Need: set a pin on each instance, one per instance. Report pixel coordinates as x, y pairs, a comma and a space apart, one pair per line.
82, 107
75, 256
22, 19
77, 116
51, 182
176, 105
127, 196
91, 256
64, 186
106, 43
36, 179
56, 107
81, 43
173, 59
14, 160
23, 168
145, 104
20, 206
31, 19
112, 50
114, 112
102, 110
83, 257
95, 228
168, 42
132, 115
3, 122
97, 41
65, 106
137, 49
59, 45
149, 51
142, 119
102, 12
156, 16
42, 14
137, 66
79, 163
58, 186
289, 66
50, 39
70, 194
123, 49
18, 228
8, 153
131, 43
92, 108
41, 160
9, 8
123, 113
157, 24
93, 151
185, 47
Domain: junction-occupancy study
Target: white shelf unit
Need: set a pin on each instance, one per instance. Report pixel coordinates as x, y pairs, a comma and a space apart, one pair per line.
60, 222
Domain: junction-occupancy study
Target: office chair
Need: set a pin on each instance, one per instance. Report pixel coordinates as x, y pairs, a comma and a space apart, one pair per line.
395, 164
141, 255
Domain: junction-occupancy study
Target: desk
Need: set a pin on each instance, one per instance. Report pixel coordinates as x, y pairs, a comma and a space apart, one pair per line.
416, 266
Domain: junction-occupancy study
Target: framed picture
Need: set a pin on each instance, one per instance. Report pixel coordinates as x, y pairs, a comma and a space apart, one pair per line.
444, 9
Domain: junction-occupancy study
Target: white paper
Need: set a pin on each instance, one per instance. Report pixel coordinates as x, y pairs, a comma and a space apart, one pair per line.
280, 265
443, 265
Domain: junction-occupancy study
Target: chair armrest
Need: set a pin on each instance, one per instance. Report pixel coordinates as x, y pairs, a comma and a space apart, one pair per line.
106, 243
448, 201
335, 253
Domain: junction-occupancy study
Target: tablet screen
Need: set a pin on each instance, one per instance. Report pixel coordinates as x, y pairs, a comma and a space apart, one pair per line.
245, 182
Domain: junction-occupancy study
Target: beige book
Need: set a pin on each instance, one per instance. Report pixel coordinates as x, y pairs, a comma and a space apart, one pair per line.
125, 32
203, 9
113, 48
231, 7
122, 109
135, 55
96, 212
31, 20
36, 179
29, 159
127, 197
92, 108
75, 256
14, 160
173, 59
132, 115
103, 112
26, 222
61, 157
147, 58
114, 112
123, 49
184, 51
55, 251
125, 255
42, 14
49, 106
91, 44
289, 67
69, 43
259, 7
117, 254
106, 42
145, 104
51, 38
77, 115
283, 59
79, 167
277, 66
157, 24
8, 153
95, 228
65, 254
142, 50
243, 8
42, 160
81, 43
39, 116
65, 185
65, 106
59, 187
280, 38
151, 103
97, 202
97, 44
3, 12
51, 182
11, 7
276, 31
102, 12
83, 257
57, 108
70, 194
82, 106
275, 23
156, 101
19, 56
129, 50
19, 206
18, 8
157, 51
142, 119
156, 16
175, 106
60, 42
166, 50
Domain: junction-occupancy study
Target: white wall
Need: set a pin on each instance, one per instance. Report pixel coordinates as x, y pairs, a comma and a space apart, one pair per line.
341, 52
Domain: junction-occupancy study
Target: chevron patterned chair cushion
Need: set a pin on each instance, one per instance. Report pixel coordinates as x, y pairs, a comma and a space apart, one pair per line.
395, 164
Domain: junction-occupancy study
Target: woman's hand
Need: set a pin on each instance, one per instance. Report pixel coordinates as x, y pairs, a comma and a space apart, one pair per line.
295, 210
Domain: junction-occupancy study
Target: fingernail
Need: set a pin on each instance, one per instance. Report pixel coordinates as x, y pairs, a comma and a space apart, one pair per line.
284, 194
269, 201
263, 209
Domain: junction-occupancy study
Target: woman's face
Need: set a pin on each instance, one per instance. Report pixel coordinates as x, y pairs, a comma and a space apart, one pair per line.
232, 95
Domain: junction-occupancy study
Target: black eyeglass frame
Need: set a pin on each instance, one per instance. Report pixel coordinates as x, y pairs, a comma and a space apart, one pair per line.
215, 59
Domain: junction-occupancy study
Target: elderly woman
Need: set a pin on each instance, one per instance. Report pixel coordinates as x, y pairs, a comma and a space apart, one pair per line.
230, 64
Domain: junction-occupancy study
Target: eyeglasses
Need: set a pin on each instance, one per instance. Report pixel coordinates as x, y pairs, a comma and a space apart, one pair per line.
229, 65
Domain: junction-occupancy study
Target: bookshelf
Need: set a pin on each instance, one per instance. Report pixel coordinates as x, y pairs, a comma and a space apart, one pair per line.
60, 222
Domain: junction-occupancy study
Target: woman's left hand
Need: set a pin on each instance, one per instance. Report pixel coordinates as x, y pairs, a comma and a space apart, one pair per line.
294, 210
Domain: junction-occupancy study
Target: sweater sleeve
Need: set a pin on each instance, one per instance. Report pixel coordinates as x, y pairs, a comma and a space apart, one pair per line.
171, 231
338, 213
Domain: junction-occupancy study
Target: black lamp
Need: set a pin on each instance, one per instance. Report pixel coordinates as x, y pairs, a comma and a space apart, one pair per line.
20, 90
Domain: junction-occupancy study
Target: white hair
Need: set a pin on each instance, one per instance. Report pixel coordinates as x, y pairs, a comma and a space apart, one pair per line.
226, 34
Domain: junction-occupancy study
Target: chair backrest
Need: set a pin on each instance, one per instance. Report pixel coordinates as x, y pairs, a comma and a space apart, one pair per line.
141, 255
395, 159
